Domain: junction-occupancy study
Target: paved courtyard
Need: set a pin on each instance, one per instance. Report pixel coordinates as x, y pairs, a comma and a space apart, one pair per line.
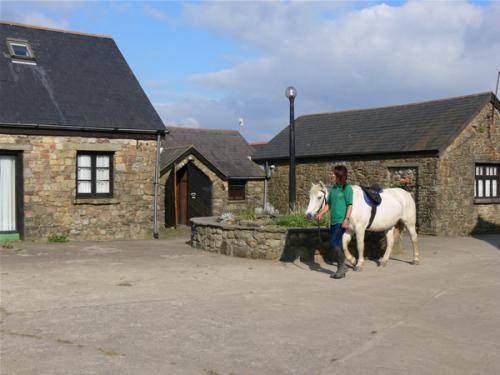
160, 307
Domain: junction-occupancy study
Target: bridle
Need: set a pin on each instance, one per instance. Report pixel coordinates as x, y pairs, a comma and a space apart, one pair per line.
323, 203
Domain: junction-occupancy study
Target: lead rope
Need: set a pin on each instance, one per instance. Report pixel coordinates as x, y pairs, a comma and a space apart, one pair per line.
317, 221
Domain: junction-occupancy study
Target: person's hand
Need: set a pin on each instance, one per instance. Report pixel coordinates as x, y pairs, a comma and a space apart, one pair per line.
345, 224
318, 217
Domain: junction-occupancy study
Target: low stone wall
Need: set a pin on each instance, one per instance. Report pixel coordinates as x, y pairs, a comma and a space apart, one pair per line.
278, 243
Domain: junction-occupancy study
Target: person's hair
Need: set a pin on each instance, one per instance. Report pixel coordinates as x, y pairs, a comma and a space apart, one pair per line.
340, 172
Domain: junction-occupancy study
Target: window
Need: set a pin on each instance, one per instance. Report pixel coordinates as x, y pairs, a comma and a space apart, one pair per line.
487, 181
20, 49
236, 190
94, 175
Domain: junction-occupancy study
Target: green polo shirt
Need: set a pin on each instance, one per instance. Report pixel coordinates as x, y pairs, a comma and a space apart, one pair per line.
338, 201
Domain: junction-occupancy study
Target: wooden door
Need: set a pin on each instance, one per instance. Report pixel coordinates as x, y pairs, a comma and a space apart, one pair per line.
200, 193
406, 177
182, 196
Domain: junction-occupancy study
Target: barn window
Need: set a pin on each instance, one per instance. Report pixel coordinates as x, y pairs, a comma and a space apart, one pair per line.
94, 175
487, 181
236, 190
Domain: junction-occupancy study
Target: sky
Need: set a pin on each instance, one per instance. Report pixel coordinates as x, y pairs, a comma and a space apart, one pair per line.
210, 64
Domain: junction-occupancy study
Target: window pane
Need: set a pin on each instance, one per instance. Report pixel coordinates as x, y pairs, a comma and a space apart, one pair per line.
20, 50
475, 188
84, 174
84, 187
102, 161
479, 171
102, 174
494, 191
480, 188
84, 161
487, 184
494, 171
102, 187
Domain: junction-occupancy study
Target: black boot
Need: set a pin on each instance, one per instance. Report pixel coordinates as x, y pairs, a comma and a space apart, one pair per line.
341, 268
341, 271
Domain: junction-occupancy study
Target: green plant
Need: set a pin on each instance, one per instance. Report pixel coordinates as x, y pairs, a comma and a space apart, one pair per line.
57, 238
247, 214
299, 221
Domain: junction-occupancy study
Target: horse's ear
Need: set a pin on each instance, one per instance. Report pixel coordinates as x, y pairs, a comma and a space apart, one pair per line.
322, 184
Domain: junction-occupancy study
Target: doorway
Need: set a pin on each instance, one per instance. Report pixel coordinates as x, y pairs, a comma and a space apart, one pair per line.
187, 195
11, 196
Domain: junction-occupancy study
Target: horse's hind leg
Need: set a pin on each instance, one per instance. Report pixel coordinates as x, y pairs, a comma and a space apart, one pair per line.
389, 235
414, 243
345, 245
360, 242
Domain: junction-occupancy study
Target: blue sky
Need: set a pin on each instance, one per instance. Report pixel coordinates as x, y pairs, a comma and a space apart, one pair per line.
207, 64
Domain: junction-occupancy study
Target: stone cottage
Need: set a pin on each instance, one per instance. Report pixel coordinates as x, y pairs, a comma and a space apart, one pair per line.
446, 152
78, 138
208, 172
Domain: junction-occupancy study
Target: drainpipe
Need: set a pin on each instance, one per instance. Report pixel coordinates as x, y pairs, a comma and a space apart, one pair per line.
156, 178
266, 169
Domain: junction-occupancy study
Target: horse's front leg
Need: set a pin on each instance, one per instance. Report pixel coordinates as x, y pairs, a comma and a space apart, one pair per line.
345, 245
360, 242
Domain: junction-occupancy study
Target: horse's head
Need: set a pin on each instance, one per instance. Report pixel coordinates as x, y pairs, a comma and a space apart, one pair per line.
317, 199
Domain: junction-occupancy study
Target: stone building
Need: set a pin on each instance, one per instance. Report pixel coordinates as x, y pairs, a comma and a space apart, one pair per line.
446, 152
78, 138
208, 172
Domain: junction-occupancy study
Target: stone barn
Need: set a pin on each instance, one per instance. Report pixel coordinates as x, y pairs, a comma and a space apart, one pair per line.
446, 152
78, 138
207, 172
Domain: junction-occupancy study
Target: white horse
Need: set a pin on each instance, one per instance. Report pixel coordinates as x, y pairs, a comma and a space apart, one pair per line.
397, 207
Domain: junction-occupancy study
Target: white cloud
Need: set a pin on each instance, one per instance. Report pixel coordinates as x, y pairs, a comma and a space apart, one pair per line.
39, 19
53, 14
154, 13
342, 58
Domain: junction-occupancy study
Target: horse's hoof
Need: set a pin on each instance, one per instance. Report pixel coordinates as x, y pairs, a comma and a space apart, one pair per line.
382, 263
358, 268
416, 262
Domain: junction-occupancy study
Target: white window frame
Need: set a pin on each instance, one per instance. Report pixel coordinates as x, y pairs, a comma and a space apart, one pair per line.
23, 43
486, 181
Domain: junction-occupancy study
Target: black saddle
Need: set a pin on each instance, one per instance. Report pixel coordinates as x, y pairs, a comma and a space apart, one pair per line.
373, 198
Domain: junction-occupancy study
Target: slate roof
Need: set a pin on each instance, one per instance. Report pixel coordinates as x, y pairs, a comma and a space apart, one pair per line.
418, 127
226, 150
80, 81
257, 145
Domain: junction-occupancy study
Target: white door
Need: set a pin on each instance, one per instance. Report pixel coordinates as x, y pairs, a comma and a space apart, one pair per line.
7, 193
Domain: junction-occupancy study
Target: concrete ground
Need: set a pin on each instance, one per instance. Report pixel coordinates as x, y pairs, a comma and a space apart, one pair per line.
160, 307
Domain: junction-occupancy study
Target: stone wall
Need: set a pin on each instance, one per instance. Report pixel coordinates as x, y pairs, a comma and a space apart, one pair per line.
278, 243
220, 201
362, 172
458, 212
50, 202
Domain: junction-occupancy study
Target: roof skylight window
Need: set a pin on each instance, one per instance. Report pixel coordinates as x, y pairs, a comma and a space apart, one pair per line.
20, 49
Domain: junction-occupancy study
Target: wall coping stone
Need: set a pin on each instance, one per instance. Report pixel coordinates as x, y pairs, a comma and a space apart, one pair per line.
210, 221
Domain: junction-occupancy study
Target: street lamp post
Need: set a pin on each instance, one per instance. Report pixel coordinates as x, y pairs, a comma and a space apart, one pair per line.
291, 93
